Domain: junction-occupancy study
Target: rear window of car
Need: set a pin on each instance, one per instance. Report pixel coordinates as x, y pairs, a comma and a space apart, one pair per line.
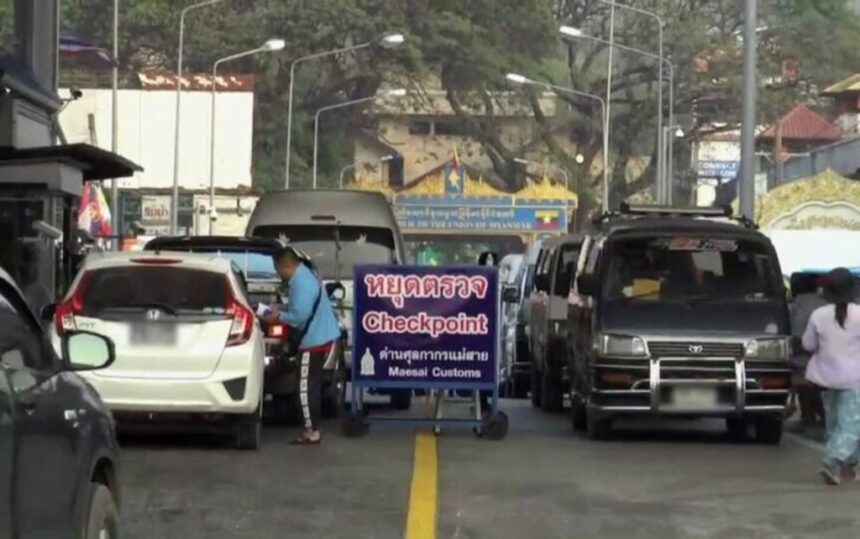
182, 290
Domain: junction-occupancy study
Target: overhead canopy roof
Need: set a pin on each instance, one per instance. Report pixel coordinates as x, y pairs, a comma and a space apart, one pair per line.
851, 84
94, 163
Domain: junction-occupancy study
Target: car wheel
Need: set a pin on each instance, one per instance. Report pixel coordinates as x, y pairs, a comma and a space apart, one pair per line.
768, 430
401, 399
285, 409
536, 387
597, 426
249, 430
578, 414
551, 397
103, 516
335, 396
737, 428
519, 387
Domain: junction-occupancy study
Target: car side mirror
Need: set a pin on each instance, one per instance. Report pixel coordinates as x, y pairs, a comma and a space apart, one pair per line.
46, 314
336, 291
511, 294
587, 284
85, 351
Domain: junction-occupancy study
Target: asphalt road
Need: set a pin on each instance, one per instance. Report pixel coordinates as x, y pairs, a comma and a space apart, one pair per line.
662, 481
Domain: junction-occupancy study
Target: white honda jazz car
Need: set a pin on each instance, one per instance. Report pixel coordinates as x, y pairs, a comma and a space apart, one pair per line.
189, 348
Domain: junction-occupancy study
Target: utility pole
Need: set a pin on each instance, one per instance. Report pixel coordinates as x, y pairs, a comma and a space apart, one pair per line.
114, 127
746, 184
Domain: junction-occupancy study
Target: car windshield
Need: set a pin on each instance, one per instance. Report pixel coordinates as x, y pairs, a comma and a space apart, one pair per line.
169, 289
357, 245
691, 269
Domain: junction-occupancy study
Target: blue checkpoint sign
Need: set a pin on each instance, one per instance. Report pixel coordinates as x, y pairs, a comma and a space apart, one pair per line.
419, 326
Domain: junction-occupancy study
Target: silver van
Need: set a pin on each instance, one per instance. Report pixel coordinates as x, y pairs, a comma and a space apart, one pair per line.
338, 229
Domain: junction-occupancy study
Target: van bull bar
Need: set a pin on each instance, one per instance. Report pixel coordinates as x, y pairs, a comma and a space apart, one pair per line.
731, 383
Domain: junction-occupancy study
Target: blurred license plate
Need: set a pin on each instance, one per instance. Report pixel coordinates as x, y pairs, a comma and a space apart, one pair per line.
694, 398
153, 334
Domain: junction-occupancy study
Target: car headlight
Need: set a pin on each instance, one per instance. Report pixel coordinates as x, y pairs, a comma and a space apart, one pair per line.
767, 349
622, 346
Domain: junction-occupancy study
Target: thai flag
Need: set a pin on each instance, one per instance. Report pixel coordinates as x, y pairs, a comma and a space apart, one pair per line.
94, 214
72, 46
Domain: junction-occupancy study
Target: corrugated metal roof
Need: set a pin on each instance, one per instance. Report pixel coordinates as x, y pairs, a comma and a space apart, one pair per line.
155, 80
804, 124
851, 84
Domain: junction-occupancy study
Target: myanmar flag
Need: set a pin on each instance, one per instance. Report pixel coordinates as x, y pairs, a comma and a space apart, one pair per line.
547, 219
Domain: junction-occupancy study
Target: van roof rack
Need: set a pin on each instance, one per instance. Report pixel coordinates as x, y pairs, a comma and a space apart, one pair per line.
642, 210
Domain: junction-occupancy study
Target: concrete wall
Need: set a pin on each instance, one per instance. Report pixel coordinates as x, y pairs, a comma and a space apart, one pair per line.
146, 134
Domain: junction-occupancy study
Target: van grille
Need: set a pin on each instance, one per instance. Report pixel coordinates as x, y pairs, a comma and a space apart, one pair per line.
693, 349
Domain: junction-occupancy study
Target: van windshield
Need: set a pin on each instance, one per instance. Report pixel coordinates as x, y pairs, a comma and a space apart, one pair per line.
358, 245
689, 269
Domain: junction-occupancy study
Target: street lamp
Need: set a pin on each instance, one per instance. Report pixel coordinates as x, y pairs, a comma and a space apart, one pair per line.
660, 26
522, 161
525, 81
383, 159
174, 210
114, 125
273, 45
398, 92
576, 33
388, 41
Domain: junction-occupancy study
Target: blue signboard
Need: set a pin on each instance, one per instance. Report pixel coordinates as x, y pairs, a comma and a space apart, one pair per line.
726, 170
537, 218
426, 327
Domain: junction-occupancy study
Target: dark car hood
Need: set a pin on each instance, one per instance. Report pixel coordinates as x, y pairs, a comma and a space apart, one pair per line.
678, 319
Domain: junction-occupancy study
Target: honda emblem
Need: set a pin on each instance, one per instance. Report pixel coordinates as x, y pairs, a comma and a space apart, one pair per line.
153, 314
696, 349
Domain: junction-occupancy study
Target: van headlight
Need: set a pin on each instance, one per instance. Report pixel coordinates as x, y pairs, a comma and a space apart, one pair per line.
767, 349
623, 346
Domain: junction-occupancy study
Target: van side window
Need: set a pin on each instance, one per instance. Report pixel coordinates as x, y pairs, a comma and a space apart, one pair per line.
593, 256
542, 277
565, 269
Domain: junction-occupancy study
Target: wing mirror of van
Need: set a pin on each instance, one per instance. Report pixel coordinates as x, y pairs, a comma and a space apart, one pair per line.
84, 351
511, 294
336, 292
587, 284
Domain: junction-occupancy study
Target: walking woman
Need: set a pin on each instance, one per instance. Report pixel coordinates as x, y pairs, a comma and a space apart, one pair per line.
833, 338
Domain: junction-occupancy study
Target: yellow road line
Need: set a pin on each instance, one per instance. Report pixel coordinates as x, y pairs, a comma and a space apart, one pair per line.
423, 498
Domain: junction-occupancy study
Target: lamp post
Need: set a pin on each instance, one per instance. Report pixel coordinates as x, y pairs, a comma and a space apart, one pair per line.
398, 92
114, 124
670, 132
660, 44
546, 166
523, 81
272, 45
389, 41
575, 33
746, 187
174, 209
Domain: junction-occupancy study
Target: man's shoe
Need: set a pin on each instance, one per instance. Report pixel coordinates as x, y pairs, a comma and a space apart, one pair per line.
831, 473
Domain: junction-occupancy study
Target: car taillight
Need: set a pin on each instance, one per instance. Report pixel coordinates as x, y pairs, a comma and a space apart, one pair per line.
64, 315
243, 323
276, 331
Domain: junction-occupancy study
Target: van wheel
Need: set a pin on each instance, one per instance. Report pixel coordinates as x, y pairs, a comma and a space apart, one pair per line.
536, 387
578, 414
737, 429
597, 426
249, 431
401, 399
551, 395
768, 430
103, 516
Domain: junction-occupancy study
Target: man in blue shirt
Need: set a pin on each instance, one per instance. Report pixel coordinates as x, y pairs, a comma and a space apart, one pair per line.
308, 306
